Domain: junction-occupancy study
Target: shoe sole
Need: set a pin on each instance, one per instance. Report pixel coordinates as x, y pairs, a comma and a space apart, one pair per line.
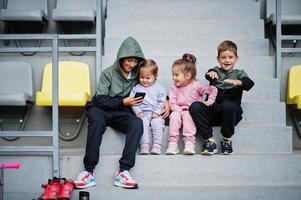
86, 186
188, 153
209, 153
170, 153
226, 153
155, 153
117, 184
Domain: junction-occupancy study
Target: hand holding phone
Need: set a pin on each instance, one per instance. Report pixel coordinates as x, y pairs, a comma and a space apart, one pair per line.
140, 94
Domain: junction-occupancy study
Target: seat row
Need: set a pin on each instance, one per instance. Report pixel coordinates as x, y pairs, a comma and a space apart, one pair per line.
16, 89
37, 10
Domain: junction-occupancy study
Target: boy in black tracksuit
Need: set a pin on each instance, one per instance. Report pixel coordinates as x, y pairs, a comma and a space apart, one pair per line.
226, 111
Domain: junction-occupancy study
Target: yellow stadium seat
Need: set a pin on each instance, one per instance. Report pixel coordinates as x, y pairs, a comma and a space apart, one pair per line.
74, 91
294, 86
74, 85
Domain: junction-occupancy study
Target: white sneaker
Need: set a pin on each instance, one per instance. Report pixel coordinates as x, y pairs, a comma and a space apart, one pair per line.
189, 148
84, 180
144, 149
172, 149
156, 149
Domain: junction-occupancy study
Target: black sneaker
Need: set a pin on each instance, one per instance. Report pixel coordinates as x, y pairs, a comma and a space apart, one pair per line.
209, 148
226, 146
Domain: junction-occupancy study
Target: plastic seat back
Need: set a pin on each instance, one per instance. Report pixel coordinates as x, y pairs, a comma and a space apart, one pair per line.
25, 10
290, 11
74, 84
16, 85
294, 86
74, 10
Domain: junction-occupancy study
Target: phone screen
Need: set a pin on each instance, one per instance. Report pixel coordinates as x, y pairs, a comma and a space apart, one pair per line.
140, 94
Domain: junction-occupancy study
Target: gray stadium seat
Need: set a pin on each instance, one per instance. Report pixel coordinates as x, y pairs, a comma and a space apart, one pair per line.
15, 83
25, 10
74, 10
290, 12
16, 90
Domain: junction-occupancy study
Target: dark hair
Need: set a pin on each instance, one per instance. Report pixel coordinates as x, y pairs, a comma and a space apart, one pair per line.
189, 57
226, 45
187, 64
151, 65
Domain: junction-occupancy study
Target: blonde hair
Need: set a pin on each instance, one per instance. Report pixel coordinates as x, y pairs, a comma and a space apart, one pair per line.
227, 45
150, 65
186, 64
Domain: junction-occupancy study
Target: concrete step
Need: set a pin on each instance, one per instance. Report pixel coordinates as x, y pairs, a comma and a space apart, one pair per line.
251, 135
198, 170
189, 177
258, 47
193, 29
247, 139
263, 90
182, 9
255, 66
278, 192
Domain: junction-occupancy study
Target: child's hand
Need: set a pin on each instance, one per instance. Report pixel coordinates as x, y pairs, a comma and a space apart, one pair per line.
208, 103
155, 115
131, 101
140, 115
166, 110
212, 75
233, 82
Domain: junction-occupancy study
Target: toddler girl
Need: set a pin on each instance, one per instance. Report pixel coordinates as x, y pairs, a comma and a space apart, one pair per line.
182, 94
151, 107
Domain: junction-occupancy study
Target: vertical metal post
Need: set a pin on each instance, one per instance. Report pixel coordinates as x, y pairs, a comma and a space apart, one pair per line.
278, 39
55, 112
1, 184
278, 42
99, 50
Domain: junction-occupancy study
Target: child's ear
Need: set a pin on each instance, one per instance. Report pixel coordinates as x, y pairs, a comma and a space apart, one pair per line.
188, 75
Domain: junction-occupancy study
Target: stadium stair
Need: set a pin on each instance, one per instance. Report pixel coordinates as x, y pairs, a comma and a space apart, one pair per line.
263, 166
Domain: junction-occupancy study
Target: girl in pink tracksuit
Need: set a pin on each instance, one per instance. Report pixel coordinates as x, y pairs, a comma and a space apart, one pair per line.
182, 94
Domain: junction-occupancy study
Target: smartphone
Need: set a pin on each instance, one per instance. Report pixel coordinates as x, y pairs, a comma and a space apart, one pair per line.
140, 94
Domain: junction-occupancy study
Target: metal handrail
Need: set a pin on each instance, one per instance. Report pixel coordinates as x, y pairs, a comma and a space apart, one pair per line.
55, 49
280, 38
280, 50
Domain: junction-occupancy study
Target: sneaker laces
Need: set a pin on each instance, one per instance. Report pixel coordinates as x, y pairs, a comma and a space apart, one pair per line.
226, 142
127, 176
83, 175
209, 143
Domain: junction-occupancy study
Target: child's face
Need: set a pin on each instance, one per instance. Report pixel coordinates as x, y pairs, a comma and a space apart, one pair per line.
227, 60
128, 64
179, 77
146, 77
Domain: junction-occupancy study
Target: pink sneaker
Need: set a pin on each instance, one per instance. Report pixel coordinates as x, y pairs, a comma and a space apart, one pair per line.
189, 148
156, 149
144, 149
172, 149
84, 180
124, 180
